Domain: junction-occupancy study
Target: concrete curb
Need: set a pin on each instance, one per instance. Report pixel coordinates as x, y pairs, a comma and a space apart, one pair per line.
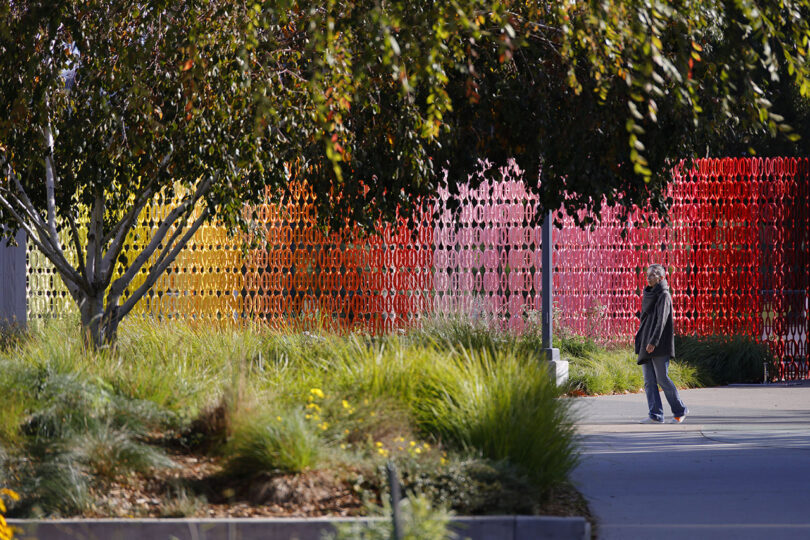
474, 528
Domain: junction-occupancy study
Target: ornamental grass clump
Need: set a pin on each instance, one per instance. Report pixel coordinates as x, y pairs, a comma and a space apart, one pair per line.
460, 330
270, 442
109, 451
616, 371
16, 383
504, 408
56, 487
67, 430
70, 405
262, 401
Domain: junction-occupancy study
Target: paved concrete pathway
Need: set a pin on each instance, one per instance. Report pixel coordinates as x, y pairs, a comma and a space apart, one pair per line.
738, 468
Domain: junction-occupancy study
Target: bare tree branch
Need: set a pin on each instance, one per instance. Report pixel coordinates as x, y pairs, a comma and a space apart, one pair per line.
123, 228
36, 230
67, 272
187, 205
115, 232
50, 185
170, 242
157, 270
22, 199
77, 243
98, 224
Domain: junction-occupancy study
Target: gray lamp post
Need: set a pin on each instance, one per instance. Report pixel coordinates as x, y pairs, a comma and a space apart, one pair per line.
558, 367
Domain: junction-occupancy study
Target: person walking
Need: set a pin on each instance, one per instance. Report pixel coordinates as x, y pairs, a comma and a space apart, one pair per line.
655, 346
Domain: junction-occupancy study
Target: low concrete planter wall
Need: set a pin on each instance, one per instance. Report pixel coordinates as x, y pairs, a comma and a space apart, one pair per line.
475, 528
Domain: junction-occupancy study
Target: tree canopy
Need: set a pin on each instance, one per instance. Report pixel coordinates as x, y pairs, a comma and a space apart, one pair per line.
104, 104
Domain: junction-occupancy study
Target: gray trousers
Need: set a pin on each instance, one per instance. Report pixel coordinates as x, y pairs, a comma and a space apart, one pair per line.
656, 373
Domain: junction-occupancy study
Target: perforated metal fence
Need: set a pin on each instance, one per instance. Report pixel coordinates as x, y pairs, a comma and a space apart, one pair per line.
736, 249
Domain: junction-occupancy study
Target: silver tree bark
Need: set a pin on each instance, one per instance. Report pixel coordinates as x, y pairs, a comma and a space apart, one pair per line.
90, 281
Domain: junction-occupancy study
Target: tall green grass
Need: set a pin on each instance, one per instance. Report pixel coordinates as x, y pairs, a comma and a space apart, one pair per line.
504, 408
450, 332
616, 371
475, 392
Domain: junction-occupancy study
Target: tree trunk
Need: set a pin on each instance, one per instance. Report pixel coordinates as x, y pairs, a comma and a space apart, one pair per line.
99, 328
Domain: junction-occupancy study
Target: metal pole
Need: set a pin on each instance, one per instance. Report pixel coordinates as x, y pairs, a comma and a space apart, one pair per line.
548, 282
558, 367
393, 483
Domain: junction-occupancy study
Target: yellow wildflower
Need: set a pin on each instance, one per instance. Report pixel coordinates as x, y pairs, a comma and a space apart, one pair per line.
378, 444
412, 443
343, 447
10, 494
345, 431
278, 418
443, 461
382, 451
346, 404
426, 446
417, 450
372, 414
6, 532
307, 416
317, 392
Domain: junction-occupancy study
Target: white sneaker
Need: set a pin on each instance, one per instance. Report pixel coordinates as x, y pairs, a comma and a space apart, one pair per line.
649, 420
677, 419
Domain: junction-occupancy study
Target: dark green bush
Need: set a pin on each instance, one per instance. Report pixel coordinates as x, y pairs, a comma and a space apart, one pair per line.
723, 360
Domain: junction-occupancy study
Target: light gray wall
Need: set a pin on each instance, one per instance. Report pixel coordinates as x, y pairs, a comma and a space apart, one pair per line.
13, 303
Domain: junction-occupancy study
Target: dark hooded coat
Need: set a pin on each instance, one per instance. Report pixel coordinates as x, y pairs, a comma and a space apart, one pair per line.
657, 327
